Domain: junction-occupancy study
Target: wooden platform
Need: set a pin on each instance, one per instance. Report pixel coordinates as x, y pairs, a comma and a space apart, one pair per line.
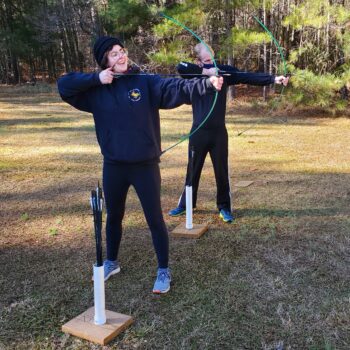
83, 326
243, 183
196, 232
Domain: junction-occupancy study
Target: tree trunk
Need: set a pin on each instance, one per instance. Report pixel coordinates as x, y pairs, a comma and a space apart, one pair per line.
265, 51
229, 23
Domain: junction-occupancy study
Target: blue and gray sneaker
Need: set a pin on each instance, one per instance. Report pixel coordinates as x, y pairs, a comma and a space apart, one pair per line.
177, 211
226, 215
110, 268
162, 283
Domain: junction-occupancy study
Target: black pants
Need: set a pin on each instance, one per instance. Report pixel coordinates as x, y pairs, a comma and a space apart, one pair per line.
146, 180
214, 141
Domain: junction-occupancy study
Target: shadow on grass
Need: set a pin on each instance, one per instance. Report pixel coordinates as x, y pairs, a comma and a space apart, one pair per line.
280, 213
45, 130
268, 120
42, 120
30, 100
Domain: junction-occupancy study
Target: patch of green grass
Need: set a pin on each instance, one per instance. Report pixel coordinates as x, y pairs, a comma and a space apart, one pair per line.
7, 165
53, 231
24, 217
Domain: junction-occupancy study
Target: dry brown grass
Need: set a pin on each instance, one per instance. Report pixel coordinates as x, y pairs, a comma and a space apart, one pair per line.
278, 278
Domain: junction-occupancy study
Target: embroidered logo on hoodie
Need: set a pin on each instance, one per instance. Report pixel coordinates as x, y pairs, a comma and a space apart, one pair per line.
134, 95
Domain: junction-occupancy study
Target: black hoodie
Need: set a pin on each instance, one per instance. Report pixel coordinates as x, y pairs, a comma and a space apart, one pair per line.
126, 112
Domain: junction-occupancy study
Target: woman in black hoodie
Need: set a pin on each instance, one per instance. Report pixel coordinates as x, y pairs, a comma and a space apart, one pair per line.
126, 116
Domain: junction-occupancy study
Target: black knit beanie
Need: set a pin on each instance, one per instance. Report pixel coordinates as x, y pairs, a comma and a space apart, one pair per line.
102, 44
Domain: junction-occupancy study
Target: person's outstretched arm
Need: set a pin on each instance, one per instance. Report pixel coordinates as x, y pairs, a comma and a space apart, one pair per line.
76, 89
171, 93
185, 69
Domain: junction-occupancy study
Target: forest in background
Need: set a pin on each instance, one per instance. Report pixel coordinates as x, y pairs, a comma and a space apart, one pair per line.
42, 39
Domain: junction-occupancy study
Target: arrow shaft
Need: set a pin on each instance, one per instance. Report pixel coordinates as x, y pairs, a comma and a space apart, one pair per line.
221, 73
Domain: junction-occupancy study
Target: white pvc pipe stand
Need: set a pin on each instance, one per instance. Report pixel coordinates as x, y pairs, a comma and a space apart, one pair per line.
99, 295
189, 209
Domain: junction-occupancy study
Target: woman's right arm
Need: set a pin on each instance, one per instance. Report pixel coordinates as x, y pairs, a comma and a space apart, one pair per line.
75, 89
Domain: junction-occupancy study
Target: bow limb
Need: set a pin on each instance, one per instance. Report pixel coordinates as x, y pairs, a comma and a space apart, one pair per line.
279, 48
186, 137
285, 70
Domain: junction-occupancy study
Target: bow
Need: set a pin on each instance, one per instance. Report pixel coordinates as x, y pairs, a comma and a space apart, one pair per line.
186, 137
279, 48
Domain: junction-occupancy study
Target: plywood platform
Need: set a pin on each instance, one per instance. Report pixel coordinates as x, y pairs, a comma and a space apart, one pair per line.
83, 326
196, 232
243, 183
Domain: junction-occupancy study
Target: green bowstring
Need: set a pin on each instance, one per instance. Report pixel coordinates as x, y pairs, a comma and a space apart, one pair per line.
186, 137
279, 48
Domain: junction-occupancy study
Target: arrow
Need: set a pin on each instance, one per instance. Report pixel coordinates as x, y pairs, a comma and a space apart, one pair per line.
220, 73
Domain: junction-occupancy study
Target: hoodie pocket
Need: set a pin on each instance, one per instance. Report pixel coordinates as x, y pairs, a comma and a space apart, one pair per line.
129, 146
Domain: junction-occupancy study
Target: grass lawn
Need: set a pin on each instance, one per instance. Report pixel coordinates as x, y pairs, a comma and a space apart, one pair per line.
277, 278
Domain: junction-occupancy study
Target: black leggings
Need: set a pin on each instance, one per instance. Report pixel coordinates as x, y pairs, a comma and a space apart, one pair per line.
214, 142
146, 180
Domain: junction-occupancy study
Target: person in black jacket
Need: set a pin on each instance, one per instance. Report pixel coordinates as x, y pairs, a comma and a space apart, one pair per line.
126, 115
212, 136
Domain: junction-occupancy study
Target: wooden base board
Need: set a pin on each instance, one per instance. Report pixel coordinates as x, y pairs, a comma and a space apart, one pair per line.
83, 326
243, 183
195, 232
